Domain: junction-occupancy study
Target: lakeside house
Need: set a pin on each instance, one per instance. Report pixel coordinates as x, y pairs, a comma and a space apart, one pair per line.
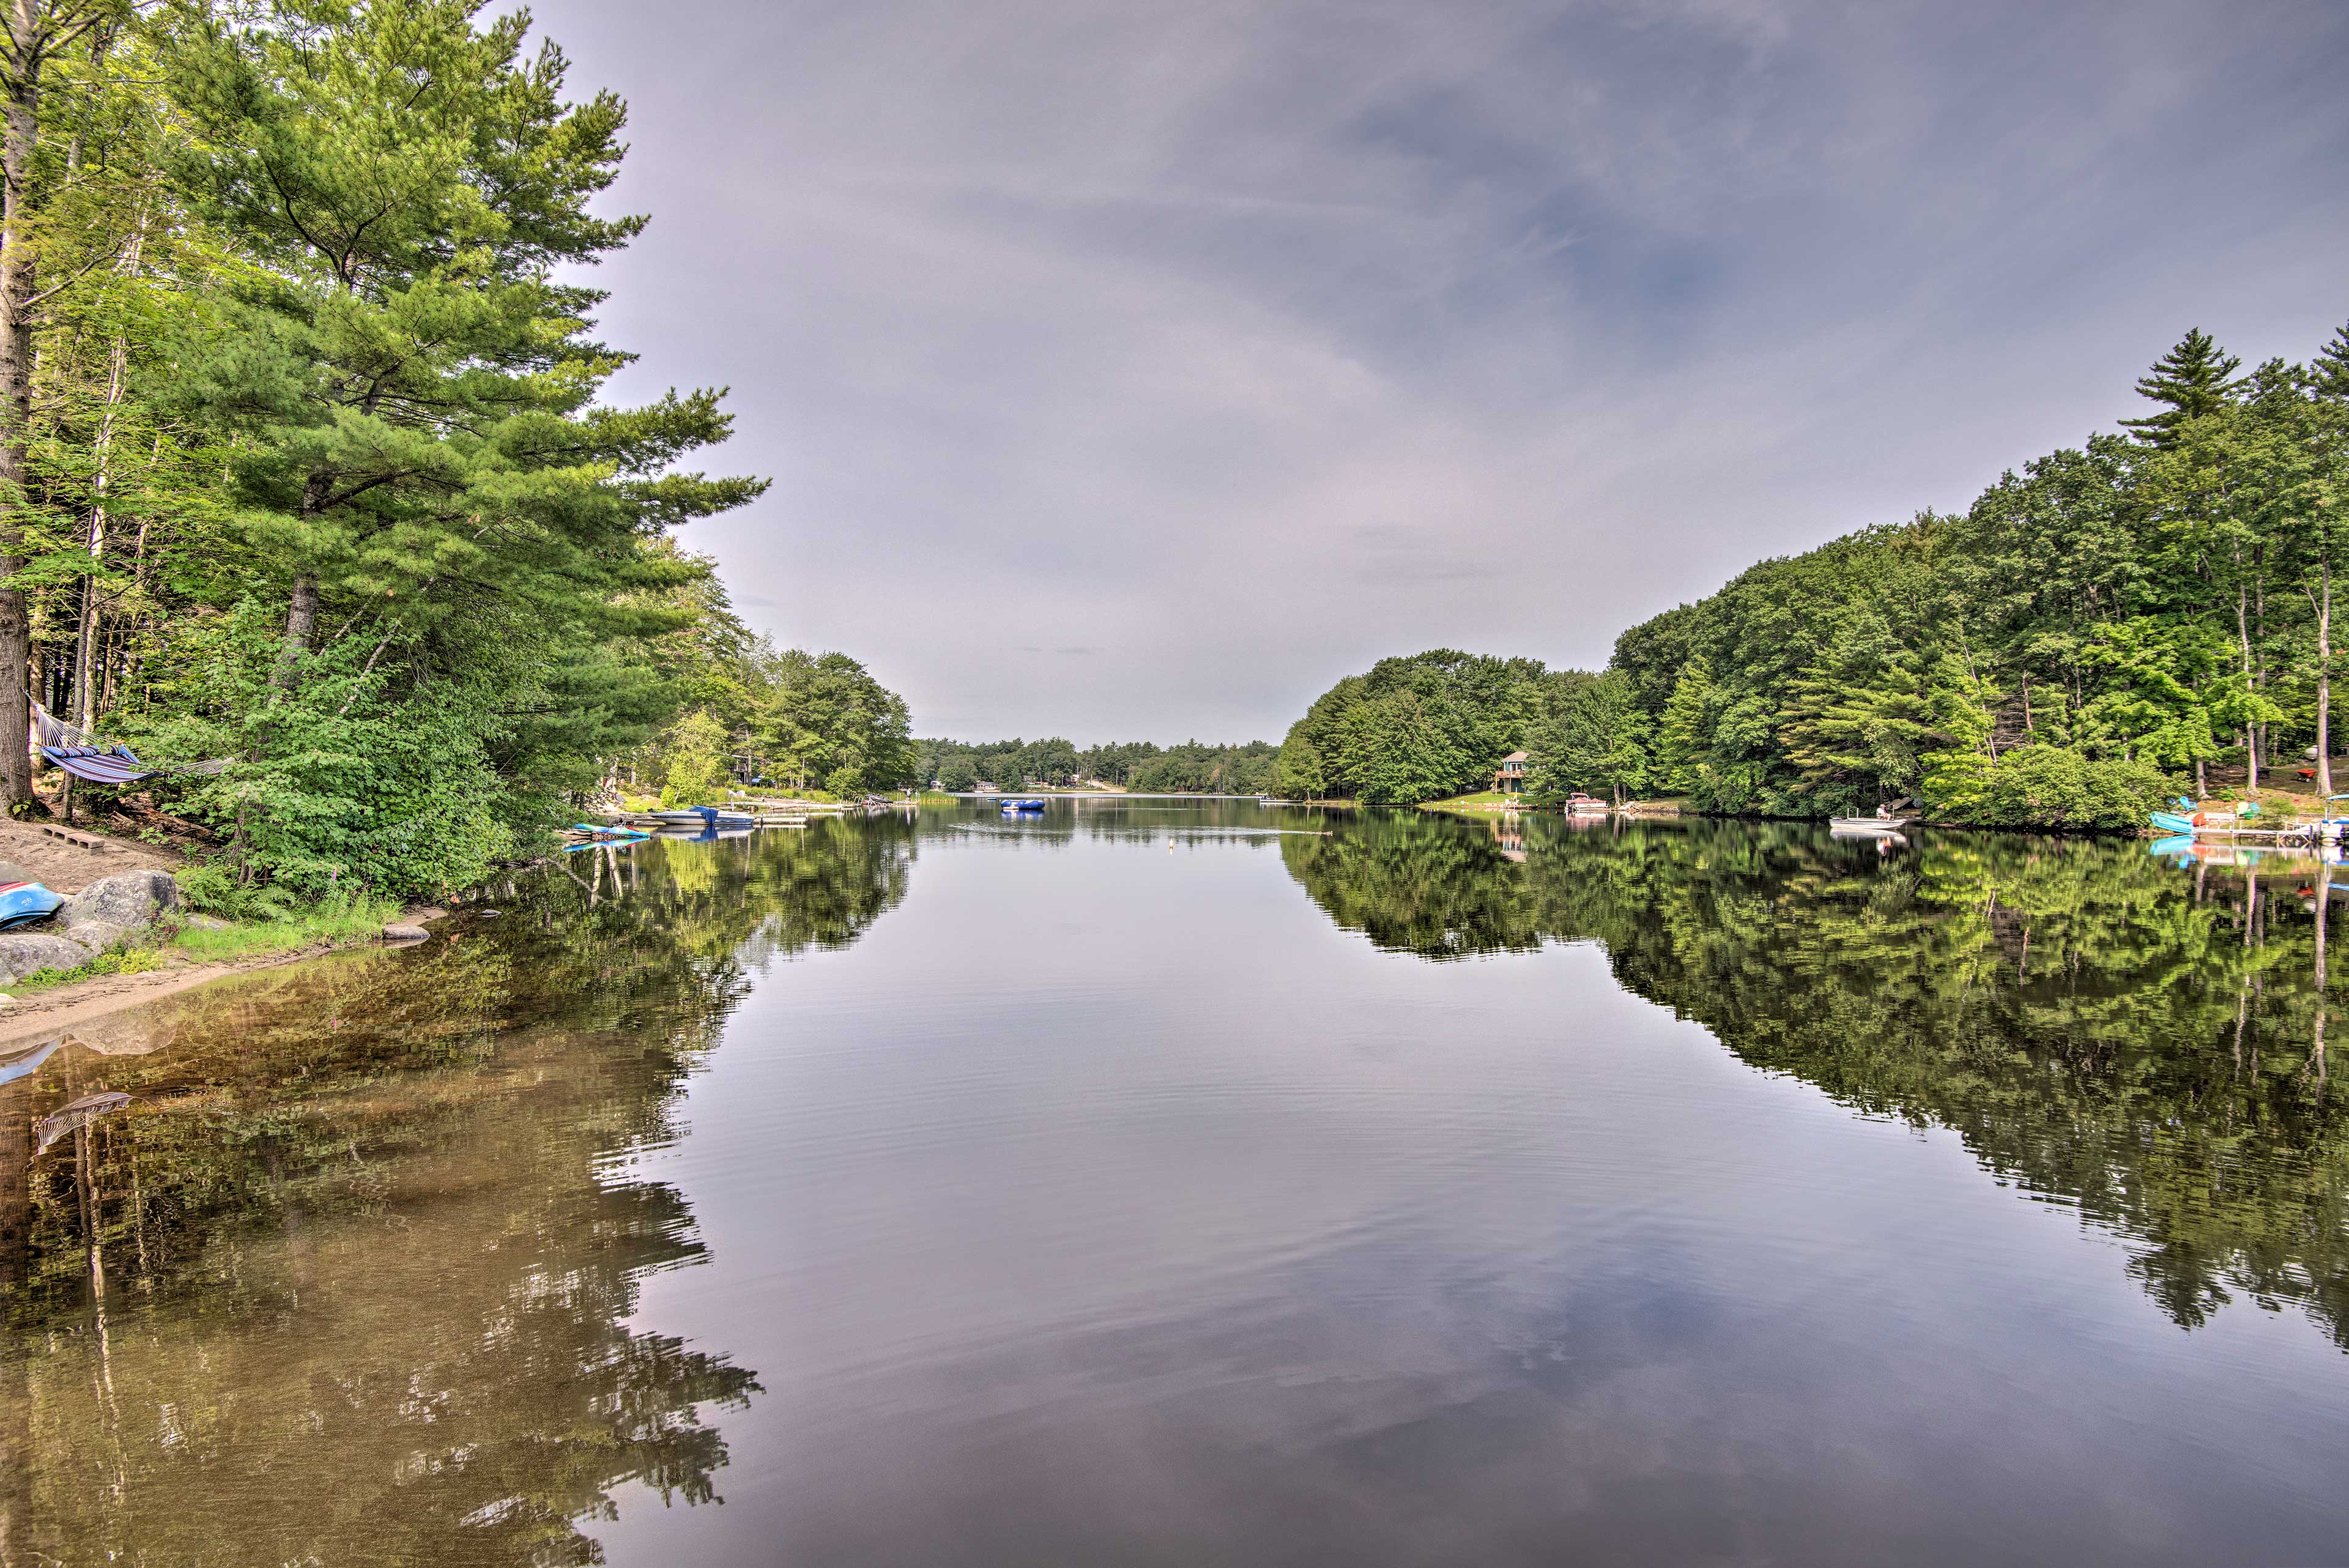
1510, 776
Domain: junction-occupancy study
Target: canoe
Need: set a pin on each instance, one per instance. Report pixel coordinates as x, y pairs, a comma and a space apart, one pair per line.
22, 903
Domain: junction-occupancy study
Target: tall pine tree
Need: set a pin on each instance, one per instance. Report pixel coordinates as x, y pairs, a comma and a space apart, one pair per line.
2192, 379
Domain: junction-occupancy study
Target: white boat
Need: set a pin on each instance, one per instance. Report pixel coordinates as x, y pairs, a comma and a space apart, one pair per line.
1867, 827
705, 816
1581, 805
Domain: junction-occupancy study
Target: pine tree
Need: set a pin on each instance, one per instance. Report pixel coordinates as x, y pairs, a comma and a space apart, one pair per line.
2190, 381
414, 386
1684, 740
2329, 372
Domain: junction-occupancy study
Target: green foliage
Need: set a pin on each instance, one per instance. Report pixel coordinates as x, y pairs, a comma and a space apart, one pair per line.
340, 782
2046, 786
215, 888
1424, 728
694, 756
1196, 768
337, 922
2099, 617
1301, 773
2192, 382
822, 717
327, 490
1684, 736
1597, 741
122, 958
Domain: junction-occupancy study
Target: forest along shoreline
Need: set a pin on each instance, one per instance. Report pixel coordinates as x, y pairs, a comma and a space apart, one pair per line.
322, 534
2145, 616
326, 539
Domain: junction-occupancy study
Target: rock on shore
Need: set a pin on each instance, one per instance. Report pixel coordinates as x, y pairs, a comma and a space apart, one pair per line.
92, 921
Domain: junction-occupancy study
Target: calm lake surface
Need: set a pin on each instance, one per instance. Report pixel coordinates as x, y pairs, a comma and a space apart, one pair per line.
1182, 1182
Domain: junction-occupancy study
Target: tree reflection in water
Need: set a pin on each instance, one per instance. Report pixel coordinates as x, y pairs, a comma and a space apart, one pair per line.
2099, 1026
366, 1240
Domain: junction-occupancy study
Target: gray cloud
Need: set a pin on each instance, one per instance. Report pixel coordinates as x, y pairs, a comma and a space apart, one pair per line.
1244, 343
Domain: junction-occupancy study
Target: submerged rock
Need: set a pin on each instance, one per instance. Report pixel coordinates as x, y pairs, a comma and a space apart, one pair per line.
399, 934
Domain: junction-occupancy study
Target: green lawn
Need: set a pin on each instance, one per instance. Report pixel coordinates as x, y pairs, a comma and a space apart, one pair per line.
1483, 800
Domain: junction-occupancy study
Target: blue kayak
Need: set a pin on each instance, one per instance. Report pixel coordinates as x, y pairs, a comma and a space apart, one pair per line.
22, 903
2171, 822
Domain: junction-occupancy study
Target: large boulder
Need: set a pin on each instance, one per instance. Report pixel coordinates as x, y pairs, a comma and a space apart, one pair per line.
22, 952
127, 900
109, 911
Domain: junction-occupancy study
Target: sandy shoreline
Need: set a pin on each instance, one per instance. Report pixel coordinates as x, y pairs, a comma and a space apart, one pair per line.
68, 1006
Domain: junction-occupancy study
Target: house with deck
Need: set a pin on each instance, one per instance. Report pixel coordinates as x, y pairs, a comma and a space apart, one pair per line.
1510, 776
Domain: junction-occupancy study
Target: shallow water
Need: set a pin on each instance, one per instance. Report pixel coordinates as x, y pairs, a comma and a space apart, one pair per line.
1172, 1181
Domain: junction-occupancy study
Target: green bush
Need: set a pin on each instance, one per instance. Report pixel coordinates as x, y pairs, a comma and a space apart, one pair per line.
212, 887
343, 782
2045, 786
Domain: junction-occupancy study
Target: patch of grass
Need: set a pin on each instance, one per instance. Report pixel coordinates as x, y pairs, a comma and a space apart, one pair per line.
1483, 800
329, 925
114, 961
935, 797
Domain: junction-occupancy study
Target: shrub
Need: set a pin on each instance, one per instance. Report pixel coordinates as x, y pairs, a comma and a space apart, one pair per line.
2045, 786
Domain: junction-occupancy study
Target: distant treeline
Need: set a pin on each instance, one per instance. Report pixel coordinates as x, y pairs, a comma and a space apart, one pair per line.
2109, 622
1191, 768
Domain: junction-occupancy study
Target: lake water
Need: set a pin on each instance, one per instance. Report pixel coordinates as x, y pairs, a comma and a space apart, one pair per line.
1180, 1182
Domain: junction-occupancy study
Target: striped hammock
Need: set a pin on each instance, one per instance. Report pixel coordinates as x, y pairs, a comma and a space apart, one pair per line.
76, 751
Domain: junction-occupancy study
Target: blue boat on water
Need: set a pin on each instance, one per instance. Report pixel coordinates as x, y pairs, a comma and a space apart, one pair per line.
1014, 807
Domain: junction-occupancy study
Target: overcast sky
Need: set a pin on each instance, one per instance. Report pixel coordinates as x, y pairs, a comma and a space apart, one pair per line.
1133, 371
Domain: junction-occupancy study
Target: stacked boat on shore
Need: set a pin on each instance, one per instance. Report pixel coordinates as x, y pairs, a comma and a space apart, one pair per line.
699, 822
2192, 830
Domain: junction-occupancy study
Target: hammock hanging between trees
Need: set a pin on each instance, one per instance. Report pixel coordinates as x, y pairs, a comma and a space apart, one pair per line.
98, 764
76, 751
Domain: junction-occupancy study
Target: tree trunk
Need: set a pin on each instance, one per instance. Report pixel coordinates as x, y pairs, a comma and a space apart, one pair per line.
16, 1197
2324, 688
301, 625
19, 130
2251, 732
103, 448
2323, 901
